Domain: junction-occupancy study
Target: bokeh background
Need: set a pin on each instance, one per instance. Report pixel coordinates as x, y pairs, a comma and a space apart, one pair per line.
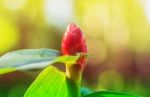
117, 33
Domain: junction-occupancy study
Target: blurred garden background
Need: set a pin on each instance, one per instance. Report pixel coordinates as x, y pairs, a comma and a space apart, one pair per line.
117, 33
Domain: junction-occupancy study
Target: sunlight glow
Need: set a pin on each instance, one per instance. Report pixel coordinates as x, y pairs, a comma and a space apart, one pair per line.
58, 12
147, 8
14, 4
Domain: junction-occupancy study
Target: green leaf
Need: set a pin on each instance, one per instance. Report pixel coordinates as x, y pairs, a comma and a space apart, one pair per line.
6, 70
32, 59
85, 91
50, 83
110, 94
68, 60
28, 59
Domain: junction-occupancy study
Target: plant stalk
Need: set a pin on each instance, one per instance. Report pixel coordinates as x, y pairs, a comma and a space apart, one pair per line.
73, 80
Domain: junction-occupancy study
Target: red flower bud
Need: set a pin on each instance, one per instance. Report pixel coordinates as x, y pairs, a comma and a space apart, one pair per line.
74, 42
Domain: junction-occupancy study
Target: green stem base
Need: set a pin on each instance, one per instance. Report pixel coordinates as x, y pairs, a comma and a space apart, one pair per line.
73, 88
73, 74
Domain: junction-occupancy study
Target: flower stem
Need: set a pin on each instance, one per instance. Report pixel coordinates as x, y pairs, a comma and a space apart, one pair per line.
73, 88
73, 81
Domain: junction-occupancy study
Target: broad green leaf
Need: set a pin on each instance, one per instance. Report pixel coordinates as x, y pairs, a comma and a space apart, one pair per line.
32, 59
28, 59
50, 83
110, 94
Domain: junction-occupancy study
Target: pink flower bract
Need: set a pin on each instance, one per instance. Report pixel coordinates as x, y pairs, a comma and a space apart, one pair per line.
74, 42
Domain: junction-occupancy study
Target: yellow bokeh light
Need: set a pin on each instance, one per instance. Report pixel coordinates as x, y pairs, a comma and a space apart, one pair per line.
8, 35
111, 80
